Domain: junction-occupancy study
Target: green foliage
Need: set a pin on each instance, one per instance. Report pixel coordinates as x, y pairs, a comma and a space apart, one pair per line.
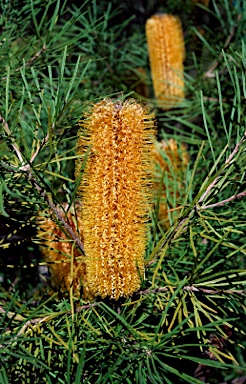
55, 58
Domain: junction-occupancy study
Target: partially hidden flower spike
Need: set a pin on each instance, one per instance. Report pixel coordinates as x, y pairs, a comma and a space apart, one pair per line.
173, 159
118, 140
166, 54
64, 259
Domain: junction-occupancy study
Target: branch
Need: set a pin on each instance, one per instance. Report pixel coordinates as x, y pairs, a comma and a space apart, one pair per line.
55, 210
180, 227
44, 195
18, 151
238, 380
40, 320
227, 162
28, 323
18, 317
29, 61
7, 130
195, 289
213, 99
34, 155
210, 73
223, 202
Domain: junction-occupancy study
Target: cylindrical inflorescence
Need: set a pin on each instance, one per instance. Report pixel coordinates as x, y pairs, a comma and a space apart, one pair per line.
166, 54
118, 140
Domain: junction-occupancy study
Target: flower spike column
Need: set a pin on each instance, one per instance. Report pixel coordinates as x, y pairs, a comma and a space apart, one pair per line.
166, 54
116, 191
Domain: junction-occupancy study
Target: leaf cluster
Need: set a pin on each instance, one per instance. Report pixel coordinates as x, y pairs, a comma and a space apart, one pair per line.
55, 58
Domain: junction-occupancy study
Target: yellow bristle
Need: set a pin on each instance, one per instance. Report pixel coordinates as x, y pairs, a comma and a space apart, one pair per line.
166, 54
115, 188
176, 170
59, 251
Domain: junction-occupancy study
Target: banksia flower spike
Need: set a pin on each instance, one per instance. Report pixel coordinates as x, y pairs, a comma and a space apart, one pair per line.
174, 163
166, 54
64, 260
115, 188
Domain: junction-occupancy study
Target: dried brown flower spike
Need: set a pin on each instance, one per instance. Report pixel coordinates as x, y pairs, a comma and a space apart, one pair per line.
59, 251
116, 191
166, 53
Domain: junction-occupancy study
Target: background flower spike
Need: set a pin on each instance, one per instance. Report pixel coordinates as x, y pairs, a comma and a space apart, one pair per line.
116, 189
65, 261
166, 54
173, 158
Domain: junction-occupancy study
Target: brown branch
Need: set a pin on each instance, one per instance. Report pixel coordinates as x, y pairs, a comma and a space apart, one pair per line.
29, 61
213, 99
223, 202
35, 183
18, 317
34, 155
210, 73
192, 288
17, 149
48, 201
55, 210
34, 57
7, 130
39, 147
227, 162
180, 227
238, 380
59, 216
40, 320
87, 306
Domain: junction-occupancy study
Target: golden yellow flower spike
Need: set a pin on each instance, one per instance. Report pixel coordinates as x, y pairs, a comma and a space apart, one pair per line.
175, 168
116, 191
166, 53
59, 251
